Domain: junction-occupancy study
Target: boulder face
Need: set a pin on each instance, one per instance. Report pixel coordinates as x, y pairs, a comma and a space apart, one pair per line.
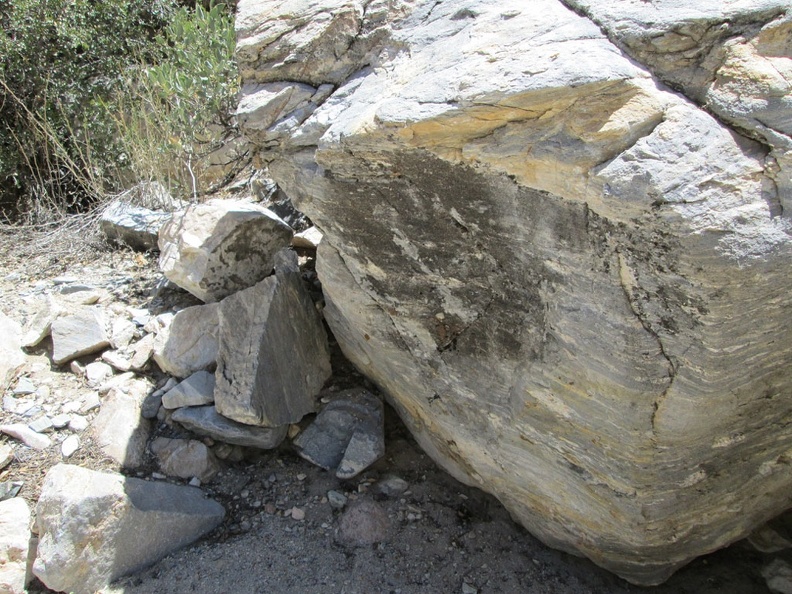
571, 282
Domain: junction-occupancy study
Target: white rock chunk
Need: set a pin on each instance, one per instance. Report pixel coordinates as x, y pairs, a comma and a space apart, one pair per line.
120, 430
220, 247
97, 372
196, 390
70, 445
189, 343
96, 527
26, 435
14, 544
78, 334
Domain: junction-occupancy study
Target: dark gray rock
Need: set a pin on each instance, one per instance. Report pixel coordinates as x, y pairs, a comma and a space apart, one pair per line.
204, 420
347, 435
273, 356
134, 226
196, 390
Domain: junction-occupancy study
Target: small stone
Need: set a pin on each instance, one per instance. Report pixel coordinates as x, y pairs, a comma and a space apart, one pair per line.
41, 425
142, 349
140, 316
392, 486
26, 435
468, 589
364, 523
71, 406
61, 421
778, 575
120, 431
204, 420
117, 360
122, 333
158, 476
70, 445
117, 382
336, 499
294, 431
302, 477
77, 369
97, 372
297, 514
6, 455
309, 239
78, 424
195, 482
151, 405
75, 288
185, 458
24, 386
64, 280
90, 402
196, 390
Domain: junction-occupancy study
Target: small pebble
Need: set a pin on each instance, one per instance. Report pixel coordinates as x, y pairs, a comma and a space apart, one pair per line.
468, 589
158, 476
297, 514
78, 424
41, 425
70, 445
24, 386
195, 482
337, 500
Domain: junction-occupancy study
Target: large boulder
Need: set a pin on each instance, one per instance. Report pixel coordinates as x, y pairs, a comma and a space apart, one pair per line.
95, 527
222, 246
14, 545
273, 357
572, 283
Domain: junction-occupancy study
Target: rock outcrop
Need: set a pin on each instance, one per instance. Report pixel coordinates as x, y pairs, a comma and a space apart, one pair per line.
572, 283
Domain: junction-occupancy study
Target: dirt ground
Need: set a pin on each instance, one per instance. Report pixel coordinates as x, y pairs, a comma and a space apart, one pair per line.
439, 535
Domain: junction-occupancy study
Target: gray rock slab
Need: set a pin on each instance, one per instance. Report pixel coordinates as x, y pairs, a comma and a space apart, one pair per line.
14, 544
347, 435
196, 390
131, 225
189, 343
11, 356
205, 420
119, 429
220, 247
78, 334
40, 323
96, 527
185, 458
273, 356
24, 386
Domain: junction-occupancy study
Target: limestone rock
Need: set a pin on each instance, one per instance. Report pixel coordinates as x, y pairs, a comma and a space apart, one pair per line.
39, 325
571, 283
119, 429
189, 343
221, 246
97, 373
78, 334
26, 435
204, 420
95, 527
309, 239
11, 356
273, 356
196, 390
185, 458
347, 435
131, 225
14, 542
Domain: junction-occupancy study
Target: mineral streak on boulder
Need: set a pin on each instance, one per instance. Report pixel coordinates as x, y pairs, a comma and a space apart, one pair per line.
220, 247
95, 527
571, 283
273, 357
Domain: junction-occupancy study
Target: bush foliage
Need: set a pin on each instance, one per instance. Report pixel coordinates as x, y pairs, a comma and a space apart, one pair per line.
81, 80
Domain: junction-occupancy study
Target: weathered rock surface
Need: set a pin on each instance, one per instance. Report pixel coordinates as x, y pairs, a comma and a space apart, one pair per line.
220, 247
120, 430
196, 390
185, 458
347, 436
189, 343
26, 435
11, 356
95, 527
273, 356
131, 225
204, 420
572, 283
80, 333
14, 542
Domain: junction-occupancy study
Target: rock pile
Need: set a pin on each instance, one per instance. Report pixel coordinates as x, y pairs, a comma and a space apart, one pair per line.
239, 372
572, 282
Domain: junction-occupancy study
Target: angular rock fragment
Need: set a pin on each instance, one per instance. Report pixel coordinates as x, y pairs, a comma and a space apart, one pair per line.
196, 390
14, 543
78, 334
347, 434
131, 225
185, 458
119, 429
273, 356
204, 420
97, 373
220, 247
40, 324
95, 527
26, 435
189, 344
309, 239
11, 356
